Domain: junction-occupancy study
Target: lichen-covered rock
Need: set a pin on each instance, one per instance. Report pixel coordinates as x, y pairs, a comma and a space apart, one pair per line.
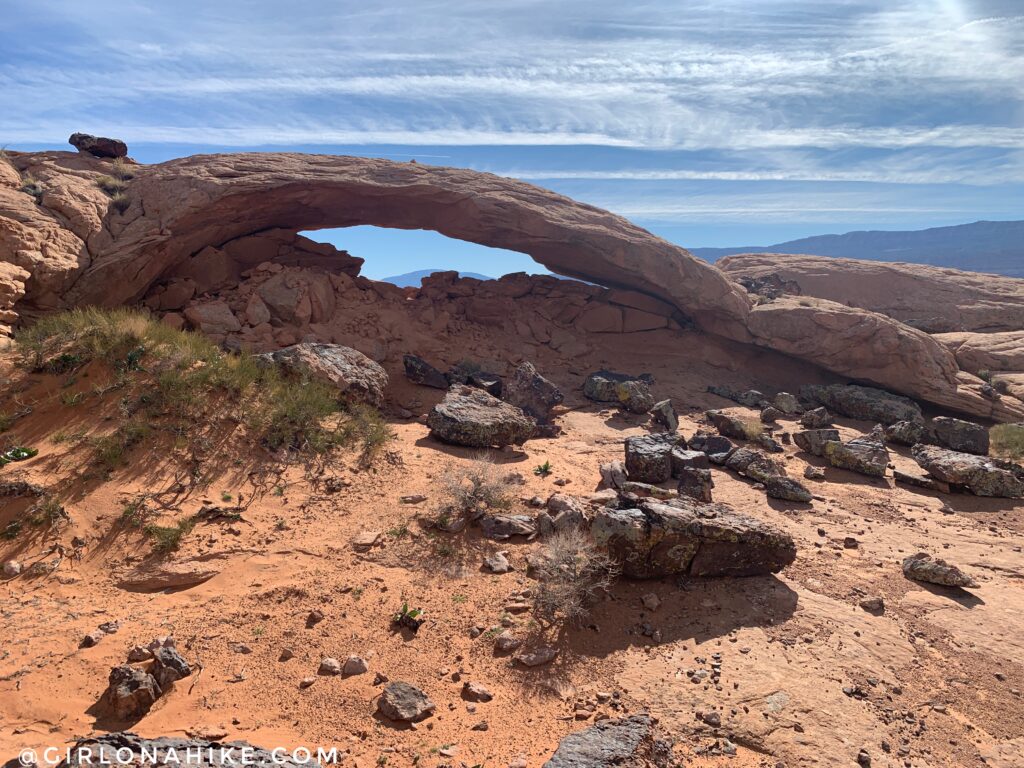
501, 527
695, 482
403, 702
922, 567
471, 417
130, 692
770, 414
684, 536
733, 426
905, 432
816, 418
635, 396
126, 749
959, 435
813, 441
864, 403
528, 390
787, 403
866, 455
649, 457
419, 371
772, 474
356, 377
981, 475
716, 447
169, 667
665, 414
631, 742
683, 458
603, 386
786, 489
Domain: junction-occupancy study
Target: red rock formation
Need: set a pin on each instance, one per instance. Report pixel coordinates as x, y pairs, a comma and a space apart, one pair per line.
934, 299
182, 223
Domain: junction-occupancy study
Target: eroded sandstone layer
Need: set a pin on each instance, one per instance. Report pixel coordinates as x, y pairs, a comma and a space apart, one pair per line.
180, 224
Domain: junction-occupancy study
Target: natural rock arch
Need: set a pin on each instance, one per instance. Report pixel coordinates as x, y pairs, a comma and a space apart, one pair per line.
79, 250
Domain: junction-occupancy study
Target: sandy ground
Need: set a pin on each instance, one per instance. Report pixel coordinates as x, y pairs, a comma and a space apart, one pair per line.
935, 680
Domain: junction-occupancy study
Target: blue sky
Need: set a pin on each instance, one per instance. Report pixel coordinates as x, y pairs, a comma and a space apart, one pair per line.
711, 123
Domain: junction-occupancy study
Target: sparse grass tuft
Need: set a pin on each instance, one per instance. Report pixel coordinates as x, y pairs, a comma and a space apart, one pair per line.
752, 428
571, 574
122, 169
32, 188
134, 512
120, 202
111, 451
47, 512
111, 185
1007, 440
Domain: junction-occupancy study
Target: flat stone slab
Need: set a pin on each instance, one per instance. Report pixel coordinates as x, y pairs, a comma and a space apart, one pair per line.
688, 537
631, 742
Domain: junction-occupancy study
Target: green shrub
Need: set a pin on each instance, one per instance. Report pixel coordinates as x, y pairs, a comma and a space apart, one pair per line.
111, 451
167, 539
571, 572
48, 511
1007, 440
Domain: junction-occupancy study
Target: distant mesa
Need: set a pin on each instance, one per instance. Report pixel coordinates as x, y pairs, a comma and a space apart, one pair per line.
413, 279
984, 246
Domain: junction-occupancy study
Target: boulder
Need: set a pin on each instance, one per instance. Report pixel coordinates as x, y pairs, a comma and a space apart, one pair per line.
864, 403
471, 417
919, 480
531, 392
683, 458
125, 748
695, 483
715, 447
665, 414
635, 396
813, 441
356, 377
683, 536
404, 703
648, 457
603, 386
866, 455
770, 473
631, 742
419, 371
959, 435
500, 527
167, 576
787, 403
922, 567
816, 418
168, 666
613, 474
786, 488
770, 415
981, 475
213, 318
130, 692
733, 426
98, 146
565, 513
905, 432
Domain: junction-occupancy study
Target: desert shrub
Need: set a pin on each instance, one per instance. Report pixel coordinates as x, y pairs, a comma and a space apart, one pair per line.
571, 572
469, 491
366, 427
48, 512
292, 414
167, 538
1007, 440
985, 375
6, 420
134, 511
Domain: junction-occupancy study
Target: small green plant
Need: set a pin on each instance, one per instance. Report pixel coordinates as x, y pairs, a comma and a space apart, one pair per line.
1007, 440
399, 531
63, 363
111, 451
459, 599
357, 593
543, 470
985, 375
410, 618
167, 539
281, 524
225, 496
11, 530
19, 453
278, 490
258, 632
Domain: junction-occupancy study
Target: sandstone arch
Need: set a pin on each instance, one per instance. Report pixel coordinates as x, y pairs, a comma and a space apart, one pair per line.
79, 251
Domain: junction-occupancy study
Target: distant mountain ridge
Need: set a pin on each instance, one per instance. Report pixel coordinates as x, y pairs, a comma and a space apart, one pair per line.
413, 279
984, 246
